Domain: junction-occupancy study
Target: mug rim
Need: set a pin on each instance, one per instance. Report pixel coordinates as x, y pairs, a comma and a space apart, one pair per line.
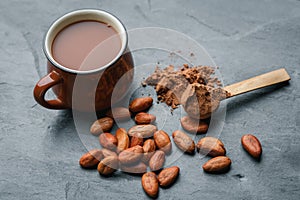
59, 20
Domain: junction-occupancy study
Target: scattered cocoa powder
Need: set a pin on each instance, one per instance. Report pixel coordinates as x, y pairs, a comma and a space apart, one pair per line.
194, 87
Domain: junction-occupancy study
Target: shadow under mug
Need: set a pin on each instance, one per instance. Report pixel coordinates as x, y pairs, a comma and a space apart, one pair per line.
85, 90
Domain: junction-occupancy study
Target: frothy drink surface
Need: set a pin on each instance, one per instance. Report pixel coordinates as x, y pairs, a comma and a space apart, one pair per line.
74, 46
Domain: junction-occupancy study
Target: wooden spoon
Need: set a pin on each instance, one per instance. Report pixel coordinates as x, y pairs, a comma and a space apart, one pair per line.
257, 82
264, 80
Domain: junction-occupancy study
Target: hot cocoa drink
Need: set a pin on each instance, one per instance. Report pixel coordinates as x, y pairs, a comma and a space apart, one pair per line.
75, 47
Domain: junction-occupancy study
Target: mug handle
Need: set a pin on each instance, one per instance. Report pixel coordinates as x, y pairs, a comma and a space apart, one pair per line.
48, 81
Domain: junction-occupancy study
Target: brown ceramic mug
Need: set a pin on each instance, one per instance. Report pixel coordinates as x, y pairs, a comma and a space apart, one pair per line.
85, 90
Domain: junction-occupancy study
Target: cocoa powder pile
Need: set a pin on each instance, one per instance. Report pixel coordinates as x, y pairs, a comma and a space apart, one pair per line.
194, 87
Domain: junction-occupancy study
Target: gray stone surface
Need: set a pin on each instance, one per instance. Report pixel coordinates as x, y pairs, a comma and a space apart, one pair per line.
40, 148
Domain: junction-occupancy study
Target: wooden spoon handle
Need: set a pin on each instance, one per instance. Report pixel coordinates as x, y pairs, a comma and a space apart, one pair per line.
257, 82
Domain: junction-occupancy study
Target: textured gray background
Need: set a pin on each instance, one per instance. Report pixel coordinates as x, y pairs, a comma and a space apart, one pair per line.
40, 148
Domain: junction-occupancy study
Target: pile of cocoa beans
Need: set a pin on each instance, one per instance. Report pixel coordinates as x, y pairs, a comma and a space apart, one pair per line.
143, 146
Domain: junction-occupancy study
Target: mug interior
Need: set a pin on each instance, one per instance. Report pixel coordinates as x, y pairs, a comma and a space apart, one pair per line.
84, 15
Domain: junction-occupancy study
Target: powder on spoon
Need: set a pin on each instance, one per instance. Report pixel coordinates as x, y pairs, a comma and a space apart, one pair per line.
194, 87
